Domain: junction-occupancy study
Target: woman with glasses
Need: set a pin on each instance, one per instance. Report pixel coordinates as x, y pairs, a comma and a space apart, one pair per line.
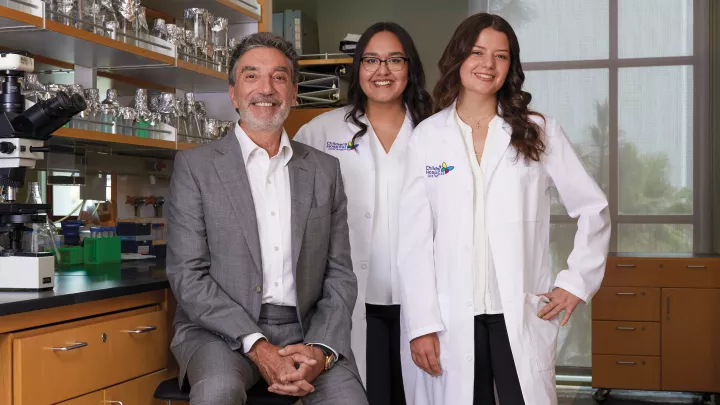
387, 99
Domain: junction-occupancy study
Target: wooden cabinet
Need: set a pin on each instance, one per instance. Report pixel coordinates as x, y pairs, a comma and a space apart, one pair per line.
656, 325
691, 339
118, 354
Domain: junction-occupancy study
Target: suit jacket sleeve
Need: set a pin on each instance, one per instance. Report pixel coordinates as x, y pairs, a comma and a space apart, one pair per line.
188, 263
331, 322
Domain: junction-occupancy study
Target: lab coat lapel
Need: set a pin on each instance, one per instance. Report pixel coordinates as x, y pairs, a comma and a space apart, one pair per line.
496, 144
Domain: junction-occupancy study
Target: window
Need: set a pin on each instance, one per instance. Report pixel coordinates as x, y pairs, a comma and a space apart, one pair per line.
629, 82
66, 199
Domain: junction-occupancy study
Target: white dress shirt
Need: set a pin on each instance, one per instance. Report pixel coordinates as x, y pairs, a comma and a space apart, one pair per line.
270, 186
487, 293
269, 180
389, 168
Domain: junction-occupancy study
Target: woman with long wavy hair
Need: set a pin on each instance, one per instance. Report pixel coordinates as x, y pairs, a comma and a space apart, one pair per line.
387, 99
481, 305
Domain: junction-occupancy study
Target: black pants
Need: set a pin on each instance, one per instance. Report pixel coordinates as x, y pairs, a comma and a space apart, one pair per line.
384, 373
494, 363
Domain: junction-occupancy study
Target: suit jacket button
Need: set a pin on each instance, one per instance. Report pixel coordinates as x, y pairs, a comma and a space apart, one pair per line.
258, 289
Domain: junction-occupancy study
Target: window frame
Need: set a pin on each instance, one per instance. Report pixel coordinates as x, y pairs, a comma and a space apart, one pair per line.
701, 216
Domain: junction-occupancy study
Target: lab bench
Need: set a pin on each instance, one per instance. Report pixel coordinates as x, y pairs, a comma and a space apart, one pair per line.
101, 335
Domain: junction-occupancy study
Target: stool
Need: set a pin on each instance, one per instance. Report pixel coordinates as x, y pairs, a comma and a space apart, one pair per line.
169, 391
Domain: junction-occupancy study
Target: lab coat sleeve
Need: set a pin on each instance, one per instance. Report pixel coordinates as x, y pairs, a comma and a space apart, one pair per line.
416, 263
585, 201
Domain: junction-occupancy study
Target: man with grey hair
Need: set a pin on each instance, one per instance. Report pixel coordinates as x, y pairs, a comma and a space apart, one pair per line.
259, 252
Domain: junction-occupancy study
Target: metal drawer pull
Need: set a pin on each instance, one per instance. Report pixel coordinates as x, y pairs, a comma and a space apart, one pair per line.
624, 265
626, 294
68, 348
142, 329
114, 402
627, 363
695, 266
625, 328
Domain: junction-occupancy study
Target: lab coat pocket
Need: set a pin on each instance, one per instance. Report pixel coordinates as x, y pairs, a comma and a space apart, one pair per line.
543, 334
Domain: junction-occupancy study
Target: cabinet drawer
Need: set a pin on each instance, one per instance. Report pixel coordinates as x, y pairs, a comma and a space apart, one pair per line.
695, 273
138, 391
633, 272
626, 372
626, 304
86, 358
627, 338
138, 345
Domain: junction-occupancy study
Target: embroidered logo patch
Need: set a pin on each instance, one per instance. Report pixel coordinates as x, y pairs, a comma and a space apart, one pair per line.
437, 171
341, 146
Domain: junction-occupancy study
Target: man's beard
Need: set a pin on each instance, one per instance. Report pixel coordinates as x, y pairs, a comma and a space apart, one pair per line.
261, 124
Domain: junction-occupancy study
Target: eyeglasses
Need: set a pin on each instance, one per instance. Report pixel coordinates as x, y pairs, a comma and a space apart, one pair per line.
395, 63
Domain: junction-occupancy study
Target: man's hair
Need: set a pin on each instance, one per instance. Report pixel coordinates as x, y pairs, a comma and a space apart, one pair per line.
264, 40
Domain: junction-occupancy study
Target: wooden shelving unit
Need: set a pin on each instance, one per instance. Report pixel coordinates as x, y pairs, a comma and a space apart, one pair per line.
114, 139
236, 11
334, 61
24, 26
156, 63
126, 145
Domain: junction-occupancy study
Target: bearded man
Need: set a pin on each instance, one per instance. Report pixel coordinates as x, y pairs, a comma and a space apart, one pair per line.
259, 252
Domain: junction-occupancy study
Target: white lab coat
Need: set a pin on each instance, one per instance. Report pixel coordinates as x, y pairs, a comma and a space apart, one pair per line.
328, 133
435, 245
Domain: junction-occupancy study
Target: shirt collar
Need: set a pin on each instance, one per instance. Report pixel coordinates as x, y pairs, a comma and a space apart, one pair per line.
249, 147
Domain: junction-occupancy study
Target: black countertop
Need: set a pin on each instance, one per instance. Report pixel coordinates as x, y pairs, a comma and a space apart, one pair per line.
84, 283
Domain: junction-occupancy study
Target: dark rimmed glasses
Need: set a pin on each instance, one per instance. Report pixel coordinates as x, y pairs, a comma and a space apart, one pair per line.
394, 64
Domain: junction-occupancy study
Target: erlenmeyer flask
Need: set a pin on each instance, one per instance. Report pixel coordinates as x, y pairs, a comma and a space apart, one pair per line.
33, 195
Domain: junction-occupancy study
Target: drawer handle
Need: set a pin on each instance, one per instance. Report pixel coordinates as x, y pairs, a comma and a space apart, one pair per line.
625, 265
695, 266
625, 328
667, 310
627, 294
114, 402
142, 329
68, 348
627, 363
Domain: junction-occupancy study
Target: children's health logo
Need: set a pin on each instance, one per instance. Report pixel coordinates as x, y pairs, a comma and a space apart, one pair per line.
340, 146
437, 171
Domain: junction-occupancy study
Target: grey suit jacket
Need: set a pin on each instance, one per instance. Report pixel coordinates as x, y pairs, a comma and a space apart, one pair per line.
214, 262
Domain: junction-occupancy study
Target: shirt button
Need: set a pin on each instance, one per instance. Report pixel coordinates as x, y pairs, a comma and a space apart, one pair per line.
469, 359
277, 248
469, 304
368, 215
277, 284
364, 265
269, 181
272, 213
258, 289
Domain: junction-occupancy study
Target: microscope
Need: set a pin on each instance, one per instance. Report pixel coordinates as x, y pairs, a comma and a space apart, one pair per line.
23, 134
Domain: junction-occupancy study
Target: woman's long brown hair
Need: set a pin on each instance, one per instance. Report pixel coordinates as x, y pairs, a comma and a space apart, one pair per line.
512, 100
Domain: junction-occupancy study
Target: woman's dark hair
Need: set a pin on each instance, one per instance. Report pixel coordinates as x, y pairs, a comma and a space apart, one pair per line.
512, 100
415, 97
